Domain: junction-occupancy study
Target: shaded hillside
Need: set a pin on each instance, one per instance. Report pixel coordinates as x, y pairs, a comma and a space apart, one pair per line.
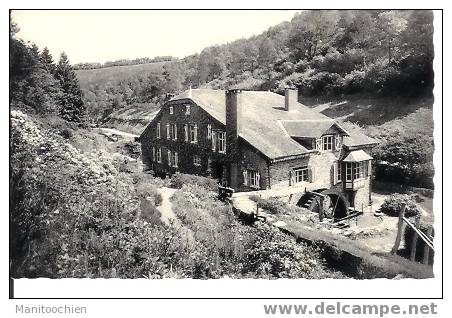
366, 110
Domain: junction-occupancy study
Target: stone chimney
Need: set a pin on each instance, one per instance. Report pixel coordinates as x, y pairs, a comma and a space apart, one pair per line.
291, 98
233, 127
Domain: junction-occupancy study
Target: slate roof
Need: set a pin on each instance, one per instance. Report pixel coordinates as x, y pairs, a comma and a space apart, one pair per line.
311, 128
265, 123
357, 156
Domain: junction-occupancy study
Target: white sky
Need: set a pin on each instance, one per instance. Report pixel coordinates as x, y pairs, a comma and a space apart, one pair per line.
100, 36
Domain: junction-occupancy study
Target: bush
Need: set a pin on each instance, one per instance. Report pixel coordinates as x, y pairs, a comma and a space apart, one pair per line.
227, 247
178, 180
393, 204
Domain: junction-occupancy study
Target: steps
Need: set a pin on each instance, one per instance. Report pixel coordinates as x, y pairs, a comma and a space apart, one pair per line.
306, 201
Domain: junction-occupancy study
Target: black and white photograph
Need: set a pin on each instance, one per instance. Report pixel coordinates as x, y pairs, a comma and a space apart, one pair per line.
211, 145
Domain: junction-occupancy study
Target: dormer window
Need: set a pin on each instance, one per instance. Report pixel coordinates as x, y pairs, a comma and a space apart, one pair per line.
171, 110
328, 142
187, 109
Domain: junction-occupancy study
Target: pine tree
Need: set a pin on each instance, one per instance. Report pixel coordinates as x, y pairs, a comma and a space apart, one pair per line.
72, 106
47, 60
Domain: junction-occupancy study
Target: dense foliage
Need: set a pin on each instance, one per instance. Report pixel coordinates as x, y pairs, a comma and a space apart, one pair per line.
226, 247
78, 212
322, 52
40, 86
405, 152
394, 203
178, 180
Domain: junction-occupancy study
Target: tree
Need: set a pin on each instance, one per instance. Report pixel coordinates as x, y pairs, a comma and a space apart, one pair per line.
31, 86
72, 106
267, 57
390, 24
174, 75
47, 61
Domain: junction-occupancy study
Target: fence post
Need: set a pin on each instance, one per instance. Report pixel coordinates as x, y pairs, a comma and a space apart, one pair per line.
426, 247
414, 240
395, 248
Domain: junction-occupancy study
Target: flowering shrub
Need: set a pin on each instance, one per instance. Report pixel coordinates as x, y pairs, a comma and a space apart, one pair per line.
227, 247
393, 204
178, 180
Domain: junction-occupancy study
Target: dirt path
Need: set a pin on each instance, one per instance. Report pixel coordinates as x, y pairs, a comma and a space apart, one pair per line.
166, 207
169, 217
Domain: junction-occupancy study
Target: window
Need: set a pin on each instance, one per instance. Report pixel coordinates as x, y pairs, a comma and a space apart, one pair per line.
187, 109
301, 174
153, 154
169, 158
168, 132
348, 171
175, 159
339, 171
159, 155
174, 131
209, 131
186, 133
221, 141
360, 169
158, 130
251, 178
327, 142
171, 110
193, 133
197, 160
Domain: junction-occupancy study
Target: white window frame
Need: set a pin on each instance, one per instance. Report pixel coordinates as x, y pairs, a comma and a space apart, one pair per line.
328, 142
221, 136
169, 157
301, 174
159, 131
175, 159
174, 131
193, 133
171, 110
360, 170
348, 171
197, 161
186, 132
159, 155
252, 178
168, 134
187, 109
153, 154
339, 172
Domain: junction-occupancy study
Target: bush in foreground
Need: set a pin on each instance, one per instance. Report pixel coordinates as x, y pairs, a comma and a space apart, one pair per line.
394, 203
178, 180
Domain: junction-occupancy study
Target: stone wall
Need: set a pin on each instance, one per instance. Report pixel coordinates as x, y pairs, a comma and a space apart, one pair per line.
185, 150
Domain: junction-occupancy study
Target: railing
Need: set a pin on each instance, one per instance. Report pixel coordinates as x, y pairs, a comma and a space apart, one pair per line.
426, 237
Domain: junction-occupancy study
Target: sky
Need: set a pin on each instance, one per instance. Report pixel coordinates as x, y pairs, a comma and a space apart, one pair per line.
100, 36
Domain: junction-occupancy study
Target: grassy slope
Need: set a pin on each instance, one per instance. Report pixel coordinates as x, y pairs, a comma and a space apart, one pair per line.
117, 73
